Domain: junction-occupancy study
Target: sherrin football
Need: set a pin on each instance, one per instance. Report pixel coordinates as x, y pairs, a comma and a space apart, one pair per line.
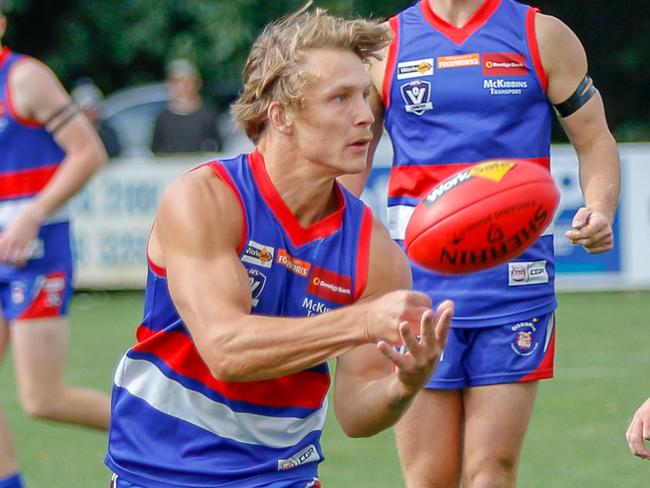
482, 216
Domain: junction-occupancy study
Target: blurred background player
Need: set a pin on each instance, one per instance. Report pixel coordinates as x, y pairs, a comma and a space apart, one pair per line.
249, 278
187, 125
466, 81
48, 150
88, 97
638, 432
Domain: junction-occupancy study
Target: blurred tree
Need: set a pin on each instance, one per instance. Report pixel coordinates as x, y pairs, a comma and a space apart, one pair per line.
124, 42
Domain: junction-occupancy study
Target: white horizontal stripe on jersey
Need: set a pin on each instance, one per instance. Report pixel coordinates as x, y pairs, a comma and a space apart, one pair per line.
145, 381
10, 209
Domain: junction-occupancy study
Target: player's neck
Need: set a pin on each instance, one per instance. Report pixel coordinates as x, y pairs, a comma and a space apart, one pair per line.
455, 12
305, 190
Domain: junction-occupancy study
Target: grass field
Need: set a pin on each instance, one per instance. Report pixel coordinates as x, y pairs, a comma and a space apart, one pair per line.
576, 439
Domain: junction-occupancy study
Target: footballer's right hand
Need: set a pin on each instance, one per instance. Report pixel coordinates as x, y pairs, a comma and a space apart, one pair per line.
385, 314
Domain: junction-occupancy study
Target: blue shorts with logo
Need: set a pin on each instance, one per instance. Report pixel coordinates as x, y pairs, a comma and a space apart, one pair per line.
117, 482
43, 287
509, 353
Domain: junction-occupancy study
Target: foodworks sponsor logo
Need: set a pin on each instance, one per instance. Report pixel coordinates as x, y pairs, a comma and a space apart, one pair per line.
314, 307
301, 268
505, 87
330, 285
504, 64
459, 61
260, 254
415, 68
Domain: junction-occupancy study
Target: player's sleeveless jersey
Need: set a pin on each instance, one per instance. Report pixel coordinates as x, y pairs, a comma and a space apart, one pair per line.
460, 96
29, 157
173, 423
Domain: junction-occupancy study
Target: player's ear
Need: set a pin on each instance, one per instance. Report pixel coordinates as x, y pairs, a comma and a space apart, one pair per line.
279, 117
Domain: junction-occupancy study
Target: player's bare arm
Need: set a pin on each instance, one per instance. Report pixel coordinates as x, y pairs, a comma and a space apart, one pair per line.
196, 235
376, 69
368, 396
39, 96
565, 63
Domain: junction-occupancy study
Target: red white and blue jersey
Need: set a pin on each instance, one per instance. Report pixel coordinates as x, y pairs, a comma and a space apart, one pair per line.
458, 96
29, 157
173, 424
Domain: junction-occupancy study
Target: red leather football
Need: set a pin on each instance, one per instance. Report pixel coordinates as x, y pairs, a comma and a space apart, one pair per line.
482, 216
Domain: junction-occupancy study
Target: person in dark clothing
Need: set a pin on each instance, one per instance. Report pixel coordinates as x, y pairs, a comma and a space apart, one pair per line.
88, 98
187, 124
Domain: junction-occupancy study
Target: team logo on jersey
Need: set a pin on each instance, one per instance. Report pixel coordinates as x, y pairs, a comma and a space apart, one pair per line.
524, 342
260, 254
459, 61
308, 455
504, 64
527, 273
330, 285
414, 69
257, 281
301, 268
417, 96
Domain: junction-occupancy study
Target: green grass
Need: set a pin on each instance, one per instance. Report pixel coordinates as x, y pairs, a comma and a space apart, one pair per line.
576, 438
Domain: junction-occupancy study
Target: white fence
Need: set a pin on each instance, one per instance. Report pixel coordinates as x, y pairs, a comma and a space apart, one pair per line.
112, 217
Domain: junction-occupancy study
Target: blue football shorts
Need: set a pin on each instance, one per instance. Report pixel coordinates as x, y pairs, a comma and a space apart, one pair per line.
43, 287
509, 353
117, 482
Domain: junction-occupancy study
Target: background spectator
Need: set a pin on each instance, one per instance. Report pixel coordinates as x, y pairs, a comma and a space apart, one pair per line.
88, 98
187, 124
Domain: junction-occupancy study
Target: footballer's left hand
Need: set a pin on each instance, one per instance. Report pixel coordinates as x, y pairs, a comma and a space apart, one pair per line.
592, 230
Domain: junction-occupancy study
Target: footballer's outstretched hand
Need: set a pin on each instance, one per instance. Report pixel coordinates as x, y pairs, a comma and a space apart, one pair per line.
417, 360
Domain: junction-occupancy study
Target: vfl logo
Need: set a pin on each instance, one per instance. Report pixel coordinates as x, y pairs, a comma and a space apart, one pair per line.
417, 96
257, 281
3, 120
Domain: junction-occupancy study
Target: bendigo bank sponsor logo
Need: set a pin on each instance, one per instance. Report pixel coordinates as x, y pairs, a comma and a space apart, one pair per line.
504, 64
459, 61
301, 268
330, 285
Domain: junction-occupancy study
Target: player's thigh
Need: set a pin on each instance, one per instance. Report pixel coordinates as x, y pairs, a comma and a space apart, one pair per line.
40, 348
429, 439
496, 420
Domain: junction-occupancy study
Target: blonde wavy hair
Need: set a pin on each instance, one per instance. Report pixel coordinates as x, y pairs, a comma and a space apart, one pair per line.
273, 71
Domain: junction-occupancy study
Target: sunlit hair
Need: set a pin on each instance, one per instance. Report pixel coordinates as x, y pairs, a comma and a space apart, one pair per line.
273, 71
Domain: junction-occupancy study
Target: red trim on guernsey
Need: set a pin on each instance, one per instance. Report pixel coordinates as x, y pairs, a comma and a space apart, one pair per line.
460, 34
391, 59
545, 368
533, 47
298, 234
25, 183
224, 176
5, 52
305, 389
363, 254
416, 180
32, 123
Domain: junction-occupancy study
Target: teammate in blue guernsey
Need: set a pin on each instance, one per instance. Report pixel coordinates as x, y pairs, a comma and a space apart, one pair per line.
465, 81
261, 269
47, 152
